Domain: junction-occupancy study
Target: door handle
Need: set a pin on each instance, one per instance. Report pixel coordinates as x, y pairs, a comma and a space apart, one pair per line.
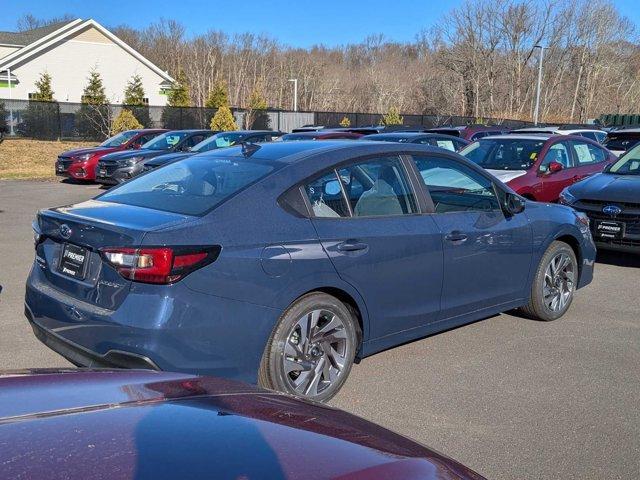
456, 237
352, 246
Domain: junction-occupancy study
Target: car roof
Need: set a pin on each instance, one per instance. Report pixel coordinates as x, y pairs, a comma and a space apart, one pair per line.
191, 130
409, 135
119, 421
291, 152
521, 136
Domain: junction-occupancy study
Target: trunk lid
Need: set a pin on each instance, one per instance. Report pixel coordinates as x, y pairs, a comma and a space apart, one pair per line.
83, 229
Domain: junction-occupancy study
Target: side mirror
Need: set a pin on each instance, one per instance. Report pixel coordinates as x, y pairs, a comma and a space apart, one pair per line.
513, 204
555, 167
332, 187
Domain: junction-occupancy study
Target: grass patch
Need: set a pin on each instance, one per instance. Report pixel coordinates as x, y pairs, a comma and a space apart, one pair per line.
32, 159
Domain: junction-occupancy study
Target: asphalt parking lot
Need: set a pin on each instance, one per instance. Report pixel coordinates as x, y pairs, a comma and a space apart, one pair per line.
509, 397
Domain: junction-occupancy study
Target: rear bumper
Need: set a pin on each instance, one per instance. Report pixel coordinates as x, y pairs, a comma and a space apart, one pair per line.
171, 328
82, 357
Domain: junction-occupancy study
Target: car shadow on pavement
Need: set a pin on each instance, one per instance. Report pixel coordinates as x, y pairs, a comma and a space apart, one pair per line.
618, 259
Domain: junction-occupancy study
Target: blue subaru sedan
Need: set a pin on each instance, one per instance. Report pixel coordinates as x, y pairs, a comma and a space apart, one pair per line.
282, 264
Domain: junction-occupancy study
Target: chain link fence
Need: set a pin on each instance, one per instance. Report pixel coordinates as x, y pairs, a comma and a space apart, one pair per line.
66, 121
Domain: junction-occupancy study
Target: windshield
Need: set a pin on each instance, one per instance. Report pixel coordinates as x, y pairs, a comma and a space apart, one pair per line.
219, 140
190, 187
119, 139
165, 141
621, 141
504, 154
628, 164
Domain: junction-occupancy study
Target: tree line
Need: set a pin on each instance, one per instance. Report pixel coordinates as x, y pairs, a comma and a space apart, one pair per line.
479, 60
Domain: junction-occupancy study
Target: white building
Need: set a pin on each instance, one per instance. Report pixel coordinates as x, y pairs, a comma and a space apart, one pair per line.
68, 51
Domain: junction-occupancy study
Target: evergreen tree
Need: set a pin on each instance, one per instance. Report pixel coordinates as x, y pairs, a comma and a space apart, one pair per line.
134, 92
178, 96
125, 121
93, 93
44, 92
256, 117
93, 119
392, 117
175, 115
223, 120
40, 119
134, 99
3, 118
345, 122
218, 96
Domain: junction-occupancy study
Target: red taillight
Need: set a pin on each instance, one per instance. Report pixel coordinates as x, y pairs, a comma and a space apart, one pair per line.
158, 264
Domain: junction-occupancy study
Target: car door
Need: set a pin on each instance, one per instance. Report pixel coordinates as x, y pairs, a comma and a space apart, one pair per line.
487, 255
553, 182
589, 159
368, 220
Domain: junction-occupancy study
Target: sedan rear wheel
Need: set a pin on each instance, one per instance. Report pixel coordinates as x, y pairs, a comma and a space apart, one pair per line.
312, 348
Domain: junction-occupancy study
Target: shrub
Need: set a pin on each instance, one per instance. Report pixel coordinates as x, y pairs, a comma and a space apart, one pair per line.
392, 117
94, 116
345, 122
223, 120
218, 96
134, 99
125, 121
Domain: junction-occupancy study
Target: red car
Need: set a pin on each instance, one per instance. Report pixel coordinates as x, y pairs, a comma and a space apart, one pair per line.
145, 425
539, 166
80, 163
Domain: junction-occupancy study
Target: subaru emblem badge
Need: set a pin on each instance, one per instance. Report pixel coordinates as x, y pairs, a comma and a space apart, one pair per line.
65, 231
611, 210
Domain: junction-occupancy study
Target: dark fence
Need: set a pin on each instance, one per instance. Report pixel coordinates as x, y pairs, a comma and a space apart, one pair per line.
60, 120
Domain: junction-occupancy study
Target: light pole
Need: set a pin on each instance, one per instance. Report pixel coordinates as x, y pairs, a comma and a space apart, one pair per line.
295, 93
537, 110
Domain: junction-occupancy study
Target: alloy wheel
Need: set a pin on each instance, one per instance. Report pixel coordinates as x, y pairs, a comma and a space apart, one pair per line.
559, 282
315, 352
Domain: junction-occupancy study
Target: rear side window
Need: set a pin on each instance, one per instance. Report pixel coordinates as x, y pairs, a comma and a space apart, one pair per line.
445, 143
587, 153
373, 188
191, 187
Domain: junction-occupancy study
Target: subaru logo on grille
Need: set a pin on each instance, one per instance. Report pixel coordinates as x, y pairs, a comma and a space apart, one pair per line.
611, 210
65, 230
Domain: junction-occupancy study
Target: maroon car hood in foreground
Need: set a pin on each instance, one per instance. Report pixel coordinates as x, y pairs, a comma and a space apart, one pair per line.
149, 425
76, 152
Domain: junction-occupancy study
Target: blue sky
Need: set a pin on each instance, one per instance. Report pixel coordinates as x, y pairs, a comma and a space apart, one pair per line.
293, 22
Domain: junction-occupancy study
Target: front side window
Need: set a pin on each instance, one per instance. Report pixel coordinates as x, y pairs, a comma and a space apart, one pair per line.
456, 188
191, 187
558, 153
504, 153
166, 141
587, 153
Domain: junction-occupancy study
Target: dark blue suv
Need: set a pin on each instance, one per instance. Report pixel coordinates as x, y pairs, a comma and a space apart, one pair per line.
283, 263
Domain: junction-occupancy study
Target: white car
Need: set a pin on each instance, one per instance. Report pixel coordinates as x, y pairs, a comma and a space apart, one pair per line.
591, 133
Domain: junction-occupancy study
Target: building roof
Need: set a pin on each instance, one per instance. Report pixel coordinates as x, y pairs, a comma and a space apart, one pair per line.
23, 39
42, 38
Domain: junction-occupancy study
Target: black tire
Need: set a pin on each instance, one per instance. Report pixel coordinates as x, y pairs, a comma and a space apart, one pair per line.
538, 308
275, 362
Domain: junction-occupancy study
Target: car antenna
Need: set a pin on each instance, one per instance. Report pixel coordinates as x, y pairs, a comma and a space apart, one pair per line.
249, 148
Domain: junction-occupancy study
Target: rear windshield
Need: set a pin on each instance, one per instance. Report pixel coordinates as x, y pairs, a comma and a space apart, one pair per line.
192, 186
504, 154
387, 138
299, 136
621, 141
